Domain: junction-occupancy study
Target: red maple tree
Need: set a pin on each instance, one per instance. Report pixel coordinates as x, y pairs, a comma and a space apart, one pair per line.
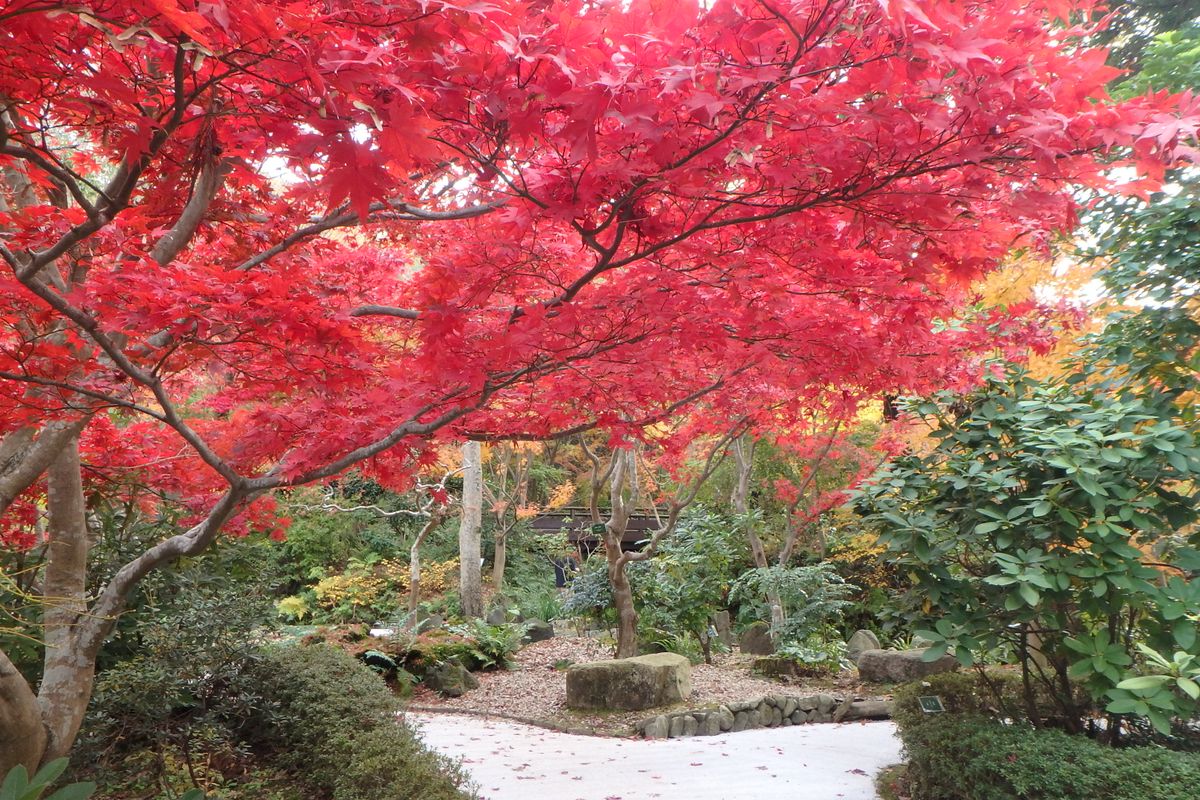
251, 245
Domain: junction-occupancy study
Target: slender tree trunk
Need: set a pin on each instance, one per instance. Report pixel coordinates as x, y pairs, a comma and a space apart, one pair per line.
470, 579
622, 593
67, 672
22, 733
743, 455
414, 565
500, 558
623, 495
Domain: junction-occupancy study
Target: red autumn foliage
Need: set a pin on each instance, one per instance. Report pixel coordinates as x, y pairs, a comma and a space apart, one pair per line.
262, 242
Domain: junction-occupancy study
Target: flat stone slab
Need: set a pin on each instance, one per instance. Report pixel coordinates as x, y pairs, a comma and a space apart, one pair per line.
901, 666
630, 684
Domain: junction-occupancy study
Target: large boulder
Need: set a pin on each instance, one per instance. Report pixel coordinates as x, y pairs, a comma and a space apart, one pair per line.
900, 666
629, 684
756, 640
859, 643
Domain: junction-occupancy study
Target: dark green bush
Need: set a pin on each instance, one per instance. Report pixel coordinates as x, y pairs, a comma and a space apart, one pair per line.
332, 721
973, 757
994, 694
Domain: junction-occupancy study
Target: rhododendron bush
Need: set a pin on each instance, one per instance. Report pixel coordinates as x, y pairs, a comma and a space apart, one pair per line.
250, 245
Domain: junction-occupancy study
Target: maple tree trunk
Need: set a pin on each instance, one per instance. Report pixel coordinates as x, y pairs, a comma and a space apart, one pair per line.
622, 594
22, 734
623, 493
470, 578
68, 672
743, 455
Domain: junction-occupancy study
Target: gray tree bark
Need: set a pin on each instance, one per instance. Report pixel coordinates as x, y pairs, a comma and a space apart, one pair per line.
67, 673
470, 573
22, 734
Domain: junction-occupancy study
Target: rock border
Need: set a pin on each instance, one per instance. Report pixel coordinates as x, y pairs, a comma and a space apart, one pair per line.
575, 730
773, 711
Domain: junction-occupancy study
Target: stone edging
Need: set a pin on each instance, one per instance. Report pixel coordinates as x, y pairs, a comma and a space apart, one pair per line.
768, 712
537, 723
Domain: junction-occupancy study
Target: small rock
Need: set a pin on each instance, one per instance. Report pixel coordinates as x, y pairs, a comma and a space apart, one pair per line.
537, 630
776, 717
789, 706
497, 616
860, 641
430, 623
725, 717
864, 709
741, 721
756, 640
690, 726
799, 718
676, 727
451, 679
656, 728
710, 725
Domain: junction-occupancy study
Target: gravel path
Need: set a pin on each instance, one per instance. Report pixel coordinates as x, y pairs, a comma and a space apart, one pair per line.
519, 762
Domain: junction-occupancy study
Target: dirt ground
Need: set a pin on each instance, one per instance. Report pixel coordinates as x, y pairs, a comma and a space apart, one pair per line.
535, 689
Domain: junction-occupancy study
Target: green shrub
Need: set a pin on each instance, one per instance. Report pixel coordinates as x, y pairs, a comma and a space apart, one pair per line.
185, 692
971, 757
994, 694
685, 583
541, 602
332, 721
1026, 531
820, 653
813, 599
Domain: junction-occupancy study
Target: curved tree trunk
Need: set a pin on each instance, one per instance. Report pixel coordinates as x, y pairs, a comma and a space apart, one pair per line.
622, 592
414, 565
22, 734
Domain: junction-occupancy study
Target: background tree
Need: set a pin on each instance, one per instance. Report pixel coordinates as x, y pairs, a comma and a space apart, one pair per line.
470, 529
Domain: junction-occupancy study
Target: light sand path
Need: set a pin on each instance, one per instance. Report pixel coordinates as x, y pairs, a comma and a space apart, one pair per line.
510, 761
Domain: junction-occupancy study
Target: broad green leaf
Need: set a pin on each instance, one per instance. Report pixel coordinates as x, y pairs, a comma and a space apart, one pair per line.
1143, 682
